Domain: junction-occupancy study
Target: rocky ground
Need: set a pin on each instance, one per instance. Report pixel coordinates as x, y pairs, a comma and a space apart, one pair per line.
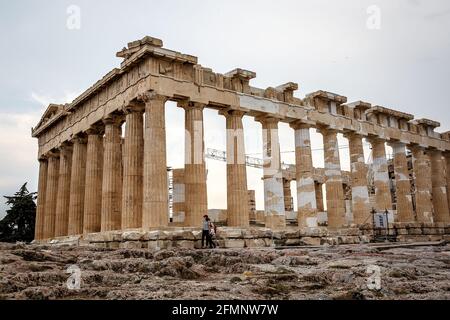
339, 272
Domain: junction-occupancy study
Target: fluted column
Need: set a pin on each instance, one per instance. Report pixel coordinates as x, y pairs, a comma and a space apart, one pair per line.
439, 188
237, 192
402, 183
155, 193
319, 196
92, 216
306, 188
77, 186
447, 161
41, 198
333, 174
112, 174
51, 195
359, 183
275, 215
196, 201
63, 200
423, 187
383, 199
133, 167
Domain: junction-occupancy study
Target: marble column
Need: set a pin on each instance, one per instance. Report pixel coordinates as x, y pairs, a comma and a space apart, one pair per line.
237, 192
77, 185
196, 201
439, 188
423, 187
275, 215
287, 194
42, 191
112, 174
51, 195
63, 201
306, 188
405, 212
333, 174
319, 196
133, 167
156, 192
447, 163
360, 192
383, 199
94, 175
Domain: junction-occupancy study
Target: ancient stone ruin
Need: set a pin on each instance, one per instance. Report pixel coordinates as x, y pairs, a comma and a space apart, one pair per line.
96, 187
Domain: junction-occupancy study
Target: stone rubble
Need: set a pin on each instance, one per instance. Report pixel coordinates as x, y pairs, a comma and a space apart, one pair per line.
327, 272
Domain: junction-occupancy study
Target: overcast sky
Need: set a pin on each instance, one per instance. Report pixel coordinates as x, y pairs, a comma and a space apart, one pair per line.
400, 61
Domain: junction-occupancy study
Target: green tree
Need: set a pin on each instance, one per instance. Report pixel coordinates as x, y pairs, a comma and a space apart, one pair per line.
18, 224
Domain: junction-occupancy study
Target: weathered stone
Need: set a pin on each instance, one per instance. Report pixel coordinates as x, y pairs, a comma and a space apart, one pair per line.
311, 241
130, 245
156, 235
132, 235
233, 243
182, 235
293, 242
185, 244
255, 243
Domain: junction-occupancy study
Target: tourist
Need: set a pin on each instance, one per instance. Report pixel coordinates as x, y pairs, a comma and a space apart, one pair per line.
212, 234
205, 231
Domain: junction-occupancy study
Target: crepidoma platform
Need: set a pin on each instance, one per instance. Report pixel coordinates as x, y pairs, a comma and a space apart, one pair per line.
96, 186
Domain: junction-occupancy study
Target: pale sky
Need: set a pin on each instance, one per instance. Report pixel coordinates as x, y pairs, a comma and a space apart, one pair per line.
322, 45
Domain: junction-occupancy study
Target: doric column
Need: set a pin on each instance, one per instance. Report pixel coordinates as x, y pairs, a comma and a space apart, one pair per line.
94, 175
333, 174
77, 185
112, 174
422, 181
51, 195
287, 194
275, 215
156, 193
133, 167
383, 199
402, 183
359, 183
237, 192
306, 189
319, 196
439, 190
196, 201
41, 198
447, 162
63, 200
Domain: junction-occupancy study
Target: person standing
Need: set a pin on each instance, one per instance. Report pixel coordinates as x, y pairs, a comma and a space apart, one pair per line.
205, 231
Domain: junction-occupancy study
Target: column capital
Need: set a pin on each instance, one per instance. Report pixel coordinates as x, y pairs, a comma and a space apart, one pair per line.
187, 104
326, 130
65, 147
434, 151
268, 119
43, 158
96, 129
353, 134
416, 147
148, 96
78, 138
374, 139
229, 112
54, 153
300, 124
396, 143
114, 119
133, 107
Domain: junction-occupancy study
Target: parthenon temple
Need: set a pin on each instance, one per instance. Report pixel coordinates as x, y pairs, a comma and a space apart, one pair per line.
96, 182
